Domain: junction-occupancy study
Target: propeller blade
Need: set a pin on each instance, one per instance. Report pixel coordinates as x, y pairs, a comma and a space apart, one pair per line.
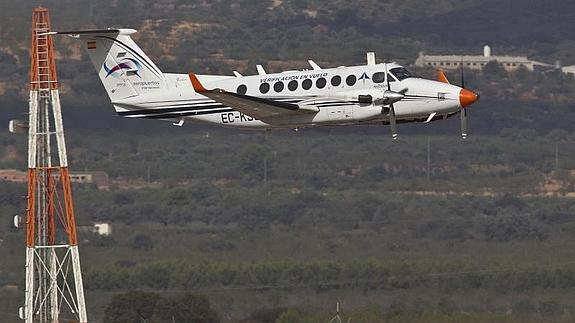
462, 74
463, 115
387, 78
392, 122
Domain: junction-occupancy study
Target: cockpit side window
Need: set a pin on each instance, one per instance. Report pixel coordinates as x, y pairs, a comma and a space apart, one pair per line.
400, 73
378, 77
390, 78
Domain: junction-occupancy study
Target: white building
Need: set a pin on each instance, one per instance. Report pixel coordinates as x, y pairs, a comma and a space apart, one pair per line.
568, 69
96, 177
476, 62
103, 229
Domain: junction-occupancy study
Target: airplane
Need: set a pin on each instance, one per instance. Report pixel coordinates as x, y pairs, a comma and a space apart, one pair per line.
385, 93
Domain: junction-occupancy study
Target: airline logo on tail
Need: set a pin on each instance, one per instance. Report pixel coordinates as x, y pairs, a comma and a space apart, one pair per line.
127, 64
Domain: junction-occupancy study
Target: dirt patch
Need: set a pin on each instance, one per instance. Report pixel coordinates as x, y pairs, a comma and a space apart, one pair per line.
276, 3
10, 153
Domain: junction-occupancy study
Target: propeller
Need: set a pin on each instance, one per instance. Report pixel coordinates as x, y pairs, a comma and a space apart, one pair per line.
463, 112
462, 74
463, 115
466, 98
389, 98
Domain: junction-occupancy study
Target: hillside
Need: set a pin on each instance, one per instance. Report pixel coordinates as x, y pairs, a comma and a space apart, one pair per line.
186, 32
279, 226
222, 36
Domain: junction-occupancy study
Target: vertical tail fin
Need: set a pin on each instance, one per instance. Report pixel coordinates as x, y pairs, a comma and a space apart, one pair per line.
124, 69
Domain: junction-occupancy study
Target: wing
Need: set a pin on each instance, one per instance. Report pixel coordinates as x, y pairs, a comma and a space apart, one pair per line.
250, 105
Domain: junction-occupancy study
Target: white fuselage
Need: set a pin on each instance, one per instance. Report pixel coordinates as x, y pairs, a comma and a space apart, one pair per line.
337, 101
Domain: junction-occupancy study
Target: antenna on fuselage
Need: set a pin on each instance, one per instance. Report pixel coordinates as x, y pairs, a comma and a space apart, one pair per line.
370, 58
314, 65
261, 70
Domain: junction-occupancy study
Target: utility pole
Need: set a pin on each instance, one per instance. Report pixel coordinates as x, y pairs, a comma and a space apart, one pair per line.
148, 174
428, 158
266, 175
266, 172
556, 156
337, 317
54, 287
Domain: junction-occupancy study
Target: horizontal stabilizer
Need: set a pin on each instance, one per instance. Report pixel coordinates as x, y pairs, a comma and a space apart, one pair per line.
96, 32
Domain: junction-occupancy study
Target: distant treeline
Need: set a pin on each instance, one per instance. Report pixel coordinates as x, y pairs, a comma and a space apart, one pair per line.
374, 274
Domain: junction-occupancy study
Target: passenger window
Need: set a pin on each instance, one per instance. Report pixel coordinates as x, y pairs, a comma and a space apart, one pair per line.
336, 80
378, 77
264, 88
242, 89
292, 85
350, 80
320, 83
279, 86
306, 84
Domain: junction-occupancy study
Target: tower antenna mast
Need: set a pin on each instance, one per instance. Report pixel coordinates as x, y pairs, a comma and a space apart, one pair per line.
54, 287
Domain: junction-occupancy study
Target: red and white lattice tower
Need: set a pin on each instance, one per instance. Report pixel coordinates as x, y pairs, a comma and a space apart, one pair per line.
54, 288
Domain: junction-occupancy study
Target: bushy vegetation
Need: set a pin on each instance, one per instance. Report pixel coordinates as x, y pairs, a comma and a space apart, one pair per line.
482, 235
140, 306
365, 220
320, 277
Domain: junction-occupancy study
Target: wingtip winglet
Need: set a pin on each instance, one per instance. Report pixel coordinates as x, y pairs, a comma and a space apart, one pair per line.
198, 87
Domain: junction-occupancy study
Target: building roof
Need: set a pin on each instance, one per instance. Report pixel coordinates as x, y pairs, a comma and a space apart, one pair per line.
12, 172
481, 59
477, 58
87, 172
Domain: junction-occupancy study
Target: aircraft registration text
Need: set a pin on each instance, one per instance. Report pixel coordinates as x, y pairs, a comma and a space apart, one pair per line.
232, 117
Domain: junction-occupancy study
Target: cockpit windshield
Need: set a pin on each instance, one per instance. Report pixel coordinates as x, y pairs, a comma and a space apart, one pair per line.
400, 73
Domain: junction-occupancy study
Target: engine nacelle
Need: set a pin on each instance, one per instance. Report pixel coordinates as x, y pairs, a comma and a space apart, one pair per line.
363, 96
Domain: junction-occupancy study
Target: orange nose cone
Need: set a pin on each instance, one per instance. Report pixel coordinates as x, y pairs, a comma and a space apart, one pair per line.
467, 98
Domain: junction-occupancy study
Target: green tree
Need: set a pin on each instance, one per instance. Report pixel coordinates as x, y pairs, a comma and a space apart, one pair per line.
142, 242
135, 306
290, 316
494, 71
190, 308
266, 315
